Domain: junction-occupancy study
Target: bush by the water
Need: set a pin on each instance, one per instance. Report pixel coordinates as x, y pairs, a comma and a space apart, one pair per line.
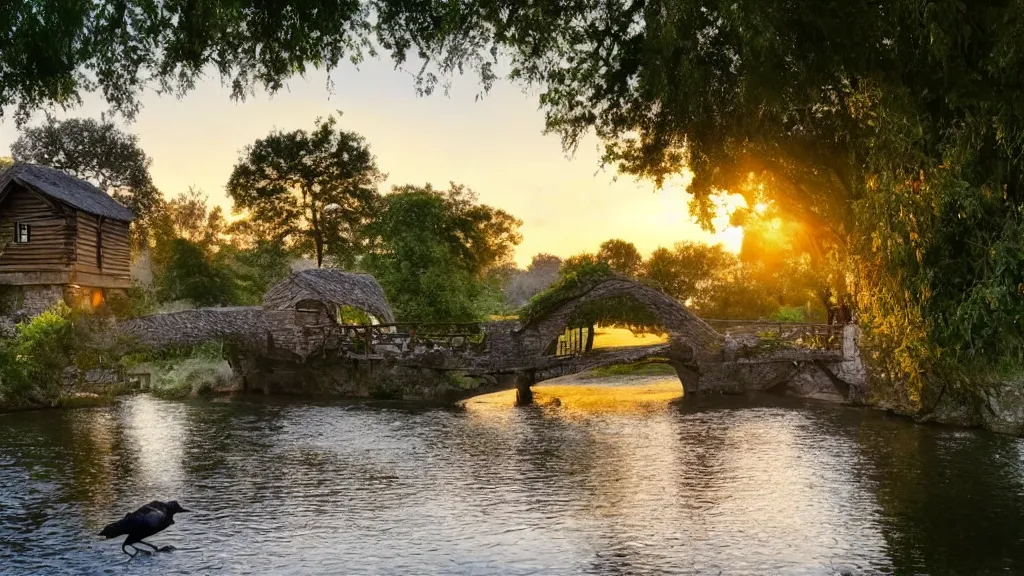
192, 376
32, 363
193, 371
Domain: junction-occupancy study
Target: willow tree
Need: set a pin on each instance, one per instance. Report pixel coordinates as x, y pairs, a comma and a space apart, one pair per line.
314, 189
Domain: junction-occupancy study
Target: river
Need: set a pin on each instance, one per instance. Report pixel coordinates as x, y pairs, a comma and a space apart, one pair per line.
703, 486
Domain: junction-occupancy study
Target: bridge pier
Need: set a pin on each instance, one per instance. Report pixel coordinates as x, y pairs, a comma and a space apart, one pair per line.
521, 381
524, 394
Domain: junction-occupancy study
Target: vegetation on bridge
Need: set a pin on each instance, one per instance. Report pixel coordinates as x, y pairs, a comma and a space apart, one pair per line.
620, 311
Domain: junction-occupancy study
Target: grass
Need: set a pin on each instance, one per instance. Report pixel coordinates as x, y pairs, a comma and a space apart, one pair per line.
642, 369
607, 337
191, 377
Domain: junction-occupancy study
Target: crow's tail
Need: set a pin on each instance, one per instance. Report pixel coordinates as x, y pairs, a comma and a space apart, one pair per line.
115, 529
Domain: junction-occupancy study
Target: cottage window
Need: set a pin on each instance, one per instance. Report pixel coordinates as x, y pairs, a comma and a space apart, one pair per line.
22, 232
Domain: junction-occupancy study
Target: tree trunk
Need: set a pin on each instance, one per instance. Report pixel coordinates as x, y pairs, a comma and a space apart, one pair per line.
590, 339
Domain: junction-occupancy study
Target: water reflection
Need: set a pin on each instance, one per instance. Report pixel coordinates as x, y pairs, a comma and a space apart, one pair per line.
703, 486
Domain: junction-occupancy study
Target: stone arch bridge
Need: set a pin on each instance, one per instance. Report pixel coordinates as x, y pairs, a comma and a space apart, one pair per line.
303, 340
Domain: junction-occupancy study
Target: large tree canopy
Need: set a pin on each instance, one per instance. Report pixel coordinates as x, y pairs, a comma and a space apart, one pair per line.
315, 189
94, 150
430, 249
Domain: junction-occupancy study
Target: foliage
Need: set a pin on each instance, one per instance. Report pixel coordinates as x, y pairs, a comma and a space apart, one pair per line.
253, 269
621, 256
430, 250
316, 189
191, 376
137, 301
893, 129
621, 311
790, 314
644, 368
570, 286
188, 216
542, 272
5, 163
690, 273
94, 150
33, 363
194, 260
582, 262
618, 311
192, 274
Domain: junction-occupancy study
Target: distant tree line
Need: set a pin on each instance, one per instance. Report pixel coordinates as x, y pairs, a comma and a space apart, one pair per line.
777, 284
312, 198
299, 198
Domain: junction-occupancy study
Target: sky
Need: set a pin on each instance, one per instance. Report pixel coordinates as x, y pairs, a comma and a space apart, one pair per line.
494, 145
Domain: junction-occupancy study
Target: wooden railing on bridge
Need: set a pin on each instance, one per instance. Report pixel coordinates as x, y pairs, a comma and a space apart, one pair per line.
399, 337
805, 335
810, 336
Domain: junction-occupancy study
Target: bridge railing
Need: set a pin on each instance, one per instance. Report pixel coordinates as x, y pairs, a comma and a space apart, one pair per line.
804, 335
400, 337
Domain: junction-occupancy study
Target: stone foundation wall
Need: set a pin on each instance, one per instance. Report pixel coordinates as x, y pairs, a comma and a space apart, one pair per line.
360, 379
35, 300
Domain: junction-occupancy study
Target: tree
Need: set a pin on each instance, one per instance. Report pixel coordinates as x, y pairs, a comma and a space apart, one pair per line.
254, 268
315, 189
97, 151
188, 216
190, 273
690, 272
542, 272
622, 256
5, 163
578, 262
430, 249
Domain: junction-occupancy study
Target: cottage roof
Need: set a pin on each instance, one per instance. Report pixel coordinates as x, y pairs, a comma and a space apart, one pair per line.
64, 187
334, 286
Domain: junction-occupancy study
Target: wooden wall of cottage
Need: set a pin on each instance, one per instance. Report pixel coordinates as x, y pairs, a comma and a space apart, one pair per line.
51, 247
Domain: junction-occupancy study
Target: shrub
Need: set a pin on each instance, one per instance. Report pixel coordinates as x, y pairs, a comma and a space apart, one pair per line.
790, 314
193, 376
32, 364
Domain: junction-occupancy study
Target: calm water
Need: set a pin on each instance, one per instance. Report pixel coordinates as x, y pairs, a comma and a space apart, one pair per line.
714, 487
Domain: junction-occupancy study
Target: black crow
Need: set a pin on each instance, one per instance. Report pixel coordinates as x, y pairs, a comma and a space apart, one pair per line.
143, 523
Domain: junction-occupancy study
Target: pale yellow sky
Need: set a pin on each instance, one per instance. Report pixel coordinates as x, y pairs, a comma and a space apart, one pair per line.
495, 146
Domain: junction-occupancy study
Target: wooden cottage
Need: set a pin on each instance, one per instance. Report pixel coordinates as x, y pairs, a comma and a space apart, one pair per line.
61, 238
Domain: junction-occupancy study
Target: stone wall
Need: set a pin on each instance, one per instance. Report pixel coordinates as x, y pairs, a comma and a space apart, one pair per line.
381, 379
35, 300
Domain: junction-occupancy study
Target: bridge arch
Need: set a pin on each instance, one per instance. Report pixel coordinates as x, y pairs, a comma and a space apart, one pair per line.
690, 337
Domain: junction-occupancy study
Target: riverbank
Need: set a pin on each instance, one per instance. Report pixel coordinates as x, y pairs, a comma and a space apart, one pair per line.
640, 386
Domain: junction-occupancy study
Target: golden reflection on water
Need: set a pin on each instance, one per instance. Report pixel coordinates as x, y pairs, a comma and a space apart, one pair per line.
158, 438
569, 400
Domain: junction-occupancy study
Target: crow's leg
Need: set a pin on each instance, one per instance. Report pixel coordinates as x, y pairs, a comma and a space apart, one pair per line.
124, 549
155, 549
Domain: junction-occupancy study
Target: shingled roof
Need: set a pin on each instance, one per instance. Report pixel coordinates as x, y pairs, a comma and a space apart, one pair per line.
64, 187
337, 287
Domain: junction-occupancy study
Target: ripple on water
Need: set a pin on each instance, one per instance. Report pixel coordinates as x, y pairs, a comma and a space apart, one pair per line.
704, 487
